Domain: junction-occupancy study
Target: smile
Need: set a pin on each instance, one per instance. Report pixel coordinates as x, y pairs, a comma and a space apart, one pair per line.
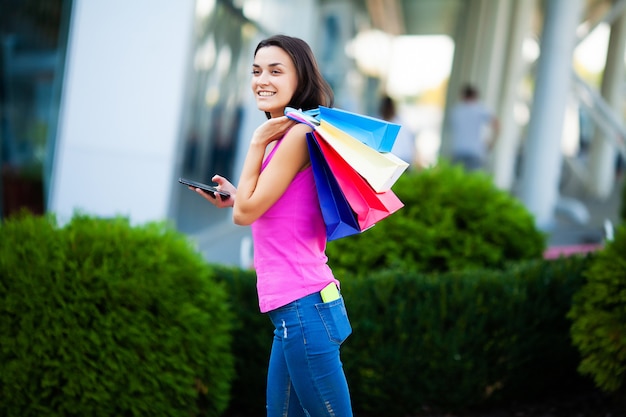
266, 93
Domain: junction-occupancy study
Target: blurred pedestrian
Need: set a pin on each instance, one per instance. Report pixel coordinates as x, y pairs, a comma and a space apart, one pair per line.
404, 146
470, 121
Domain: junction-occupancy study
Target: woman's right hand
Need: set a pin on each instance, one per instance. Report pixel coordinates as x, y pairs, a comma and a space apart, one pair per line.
271, 130
223, 185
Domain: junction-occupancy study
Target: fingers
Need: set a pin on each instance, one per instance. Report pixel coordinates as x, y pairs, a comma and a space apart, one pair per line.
213, 198
272, 129
207, 196
219, 179
285, 122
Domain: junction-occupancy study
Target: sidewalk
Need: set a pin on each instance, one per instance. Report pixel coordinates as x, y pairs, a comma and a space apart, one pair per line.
567, 232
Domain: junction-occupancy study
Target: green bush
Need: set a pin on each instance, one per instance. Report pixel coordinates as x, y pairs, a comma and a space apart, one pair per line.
599, 317
452, 220
457, 340
543, 360
100, 318
253, 336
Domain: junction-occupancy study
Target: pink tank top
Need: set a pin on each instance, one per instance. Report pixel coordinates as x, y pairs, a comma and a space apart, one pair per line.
290, 243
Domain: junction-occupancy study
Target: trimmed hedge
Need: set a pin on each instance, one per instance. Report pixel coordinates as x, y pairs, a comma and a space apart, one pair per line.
452, 220
458, 340
599, 318
253, 333
450, 341
100, 318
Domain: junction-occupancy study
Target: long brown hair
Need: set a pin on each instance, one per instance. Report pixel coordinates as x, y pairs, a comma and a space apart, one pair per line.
312, 90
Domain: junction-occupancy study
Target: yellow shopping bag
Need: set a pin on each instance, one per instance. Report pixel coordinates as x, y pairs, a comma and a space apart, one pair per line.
380, 169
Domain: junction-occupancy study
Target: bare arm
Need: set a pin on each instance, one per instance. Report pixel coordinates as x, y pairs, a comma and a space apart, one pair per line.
258, 191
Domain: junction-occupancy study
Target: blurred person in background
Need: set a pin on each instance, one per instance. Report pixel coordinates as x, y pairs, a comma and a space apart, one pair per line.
404, 146
470, 121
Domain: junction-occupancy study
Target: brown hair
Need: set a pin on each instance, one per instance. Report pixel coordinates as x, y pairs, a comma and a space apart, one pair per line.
387, 108
469, 92
312, 90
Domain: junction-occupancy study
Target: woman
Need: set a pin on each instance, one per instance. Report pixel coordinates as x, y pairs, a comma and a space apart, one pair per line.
276, 195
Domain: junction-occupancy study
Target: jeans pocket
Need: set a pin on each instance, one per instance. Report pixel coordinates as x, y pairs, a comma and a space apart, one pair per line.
335, 319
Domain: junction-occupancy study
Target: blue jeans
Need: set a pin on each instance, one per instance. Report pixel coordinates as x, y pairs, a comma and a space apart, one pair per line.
305, 376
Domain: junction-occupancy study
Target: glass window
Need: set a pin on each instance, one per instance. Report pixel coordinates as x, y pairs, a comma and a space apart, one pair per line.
33, 35
216, 99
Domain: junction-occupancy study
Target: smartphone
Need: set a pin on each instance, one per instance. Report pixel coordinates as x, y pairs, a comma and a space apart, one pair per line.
330, 293
206, 188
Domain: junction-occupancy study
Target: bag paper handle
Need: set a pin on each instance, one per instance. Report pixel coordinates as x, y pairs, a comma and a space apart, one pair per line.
308, 117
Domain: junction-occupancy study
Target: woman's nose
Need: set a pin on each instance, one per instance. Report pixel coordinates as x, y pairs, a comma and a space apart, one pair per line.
262, 79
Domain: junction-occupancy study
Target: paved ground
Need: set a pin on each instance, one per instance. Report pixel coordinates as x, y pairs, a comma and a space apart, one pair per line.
570, 232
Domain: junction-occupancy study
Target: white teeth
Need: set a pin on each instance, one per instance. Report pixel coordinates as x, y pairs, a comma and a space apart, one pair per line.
266, 93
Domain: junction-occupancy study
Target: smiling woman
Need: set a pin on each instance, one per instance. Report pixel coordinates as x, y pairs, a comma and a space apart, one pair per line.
273, 80
277, 196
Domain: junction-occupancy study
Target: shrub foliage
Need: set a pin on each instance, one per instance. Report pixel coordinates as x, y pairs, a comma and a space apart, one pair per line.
253, 332
452, 220
599, 317
100, 318
456, 340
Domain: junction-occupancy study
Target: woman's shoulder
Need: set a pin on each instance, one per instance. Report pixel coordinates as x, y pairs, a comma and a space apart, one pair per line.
299, 129
293, 150
297, 135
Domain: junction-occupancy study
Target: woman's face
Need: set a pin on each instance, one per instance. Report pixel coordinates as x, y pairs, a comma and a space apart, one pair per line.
274, 80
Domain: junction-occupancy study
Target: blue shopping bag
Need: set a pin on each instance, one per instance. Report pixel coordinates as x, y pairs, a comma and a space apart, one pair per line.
338, 216
375, 133
308, 117
380, 169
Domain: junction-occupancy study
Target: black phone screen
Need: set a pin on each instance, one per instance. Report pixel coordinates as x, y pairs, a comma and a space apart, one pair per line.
204, 187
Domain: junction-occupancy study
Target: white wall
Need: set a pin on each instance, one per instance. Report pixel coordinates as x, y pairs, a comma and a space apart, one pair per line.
121, 105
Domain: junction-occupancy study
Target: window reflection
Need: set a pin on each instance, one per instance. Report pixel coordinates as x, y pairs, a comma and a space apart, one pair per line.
216, 105
33, 43
217, 94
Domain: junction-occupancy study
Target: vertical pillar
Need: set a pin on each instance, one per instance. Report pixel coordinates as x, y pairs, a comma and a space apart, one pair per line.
602, 152
121, 108
491, 48
505, 150
466, 40
542, 153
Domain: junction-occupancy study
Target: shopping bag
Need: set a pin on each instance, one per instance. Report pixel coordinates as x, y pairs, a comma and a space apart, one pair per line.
380, 169
375, 133
338, 216
308, 117
370, 207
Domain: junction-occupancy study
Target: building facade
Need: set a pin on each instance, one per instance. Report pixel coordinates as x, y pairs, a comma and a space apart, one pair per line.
105, 104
